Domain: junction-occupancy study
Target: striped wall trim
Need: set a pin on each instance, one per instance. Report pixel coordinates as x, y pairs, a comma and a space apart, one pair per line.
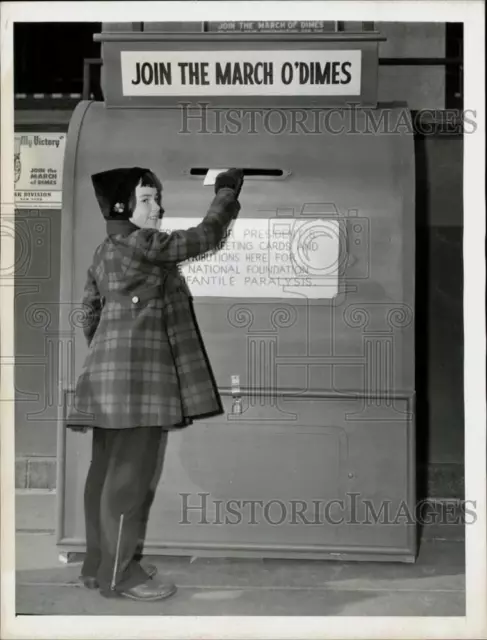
48, 96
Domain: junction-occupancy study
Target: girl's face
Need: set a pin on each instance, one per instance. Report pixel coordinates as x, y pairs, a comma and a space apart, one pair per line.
148, 208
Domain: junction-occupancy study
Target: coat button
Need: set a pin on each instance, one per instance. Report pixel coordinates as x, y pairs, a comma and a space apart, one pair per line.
135, 299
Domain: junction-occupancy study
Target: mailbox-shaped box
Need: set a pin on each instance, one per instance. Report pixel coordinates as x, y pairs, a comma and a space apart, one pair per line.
306, 311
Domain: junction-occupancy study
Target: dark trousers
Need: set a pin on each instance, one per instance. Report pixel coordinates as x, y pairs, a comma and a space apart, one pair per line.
125, 468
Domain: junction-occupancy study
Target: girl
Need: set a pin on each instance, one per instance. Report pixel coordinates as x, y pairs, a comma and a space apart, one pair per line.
146, 371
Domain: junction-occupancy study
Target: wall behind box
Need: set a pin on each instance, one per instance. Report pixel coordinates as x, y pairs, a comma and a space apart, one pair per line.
36, 332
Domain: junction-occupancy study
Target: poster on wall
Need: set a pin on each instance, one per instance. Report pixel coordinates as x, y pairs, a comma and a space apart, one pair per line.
38, 170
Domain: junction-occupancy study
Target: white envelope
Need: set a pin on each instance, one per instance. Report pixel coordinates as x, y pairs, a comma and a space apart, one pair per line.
211, 176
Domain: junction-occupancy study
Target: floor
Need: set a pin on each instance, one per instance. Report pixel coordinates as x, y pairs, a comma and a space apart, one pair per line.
433, 586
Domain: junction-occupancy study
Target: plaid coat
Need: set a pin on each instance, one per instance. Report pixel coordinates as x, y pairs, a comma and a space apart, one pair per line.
147, 365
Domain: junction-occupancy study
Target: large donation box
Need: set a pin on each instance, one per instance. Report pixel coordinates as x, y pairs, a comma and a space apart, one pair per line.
306, 310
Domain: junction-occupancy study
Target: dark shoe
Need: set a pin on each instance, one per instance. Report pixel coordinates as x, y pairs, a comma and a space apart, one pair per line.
91, 582
150, 591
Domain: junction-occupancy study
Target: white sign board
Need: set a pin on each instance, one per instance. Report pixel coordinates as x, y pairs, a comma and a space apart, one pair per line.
38, 162
241, 73
262, 258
